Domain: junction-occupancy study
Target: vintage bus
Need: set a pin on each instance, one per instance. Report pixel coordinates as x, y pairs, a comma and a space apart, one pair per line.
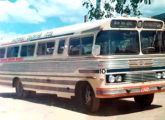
110, 58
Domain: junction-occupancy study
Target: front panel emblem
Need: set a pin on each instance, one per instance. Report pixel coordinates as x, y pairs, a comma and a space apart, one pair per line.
103, 71
140, 63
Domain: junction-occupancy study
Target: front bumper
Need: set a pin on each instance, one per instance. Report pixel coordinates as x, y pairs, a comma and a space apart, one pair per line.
127, 90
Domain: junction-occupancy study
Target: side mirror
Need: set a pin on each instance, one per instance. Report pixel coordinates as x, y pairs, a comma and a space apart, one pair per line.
96, 50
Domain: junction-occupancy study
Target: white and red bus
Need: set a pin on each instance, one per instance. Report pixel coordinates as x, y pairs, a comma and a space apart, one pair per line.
111, 58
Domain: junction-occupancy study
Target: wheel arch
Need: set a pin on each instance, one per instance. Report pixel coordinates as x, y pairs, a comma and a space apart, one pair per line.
79, 86
94, 104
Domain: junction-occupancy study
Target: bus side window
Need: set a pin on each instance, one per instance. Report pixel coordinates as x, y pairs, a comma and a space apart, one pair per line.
87, 43
41, 49
61, 46
103, 40
46, 48
27, 50
12, 51
50, 48
2, 52
74, 46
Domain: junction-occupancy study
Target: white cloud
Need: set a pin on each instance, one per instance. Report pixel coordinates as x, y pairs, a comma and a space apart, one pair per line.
35, 11
4, 36
156, 7
18, 12
68, 10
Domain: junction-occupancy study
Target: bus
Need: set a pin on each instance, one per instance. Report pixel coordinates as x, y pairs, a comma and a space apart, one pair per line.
102, 59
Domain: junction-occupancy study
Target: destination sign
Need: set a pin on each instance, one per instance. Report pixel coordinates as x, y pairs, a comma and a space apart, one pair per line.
123, 24
152, 25
133, 24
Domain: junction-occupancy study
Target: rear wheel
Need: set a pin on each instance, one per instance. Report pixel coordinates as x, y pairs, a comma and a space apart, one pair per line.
20, 92
89, 100
144, 100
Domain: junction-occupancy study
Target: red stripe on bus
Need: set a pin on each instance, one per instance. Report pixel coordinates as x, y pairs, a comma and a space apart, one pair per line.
19, 59
129, 87
3, 60
12, 60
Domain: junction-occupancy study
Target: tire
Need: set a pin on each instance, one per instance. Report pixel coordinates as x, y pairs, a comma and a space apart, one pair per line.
144, 100
31, 94
20, 92
89, 101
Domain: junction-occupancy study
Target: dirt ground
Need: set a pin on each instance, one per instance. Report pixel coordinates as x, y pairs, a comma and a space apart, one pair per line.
49, 107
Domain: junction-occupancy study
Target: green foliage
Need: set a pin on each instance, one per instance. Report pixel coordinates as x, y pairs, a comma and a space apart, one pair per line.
160, 17
128, 7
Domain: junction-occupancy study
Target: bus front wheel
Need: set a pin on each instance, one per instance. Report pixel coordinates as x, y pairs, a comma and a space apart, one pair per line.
20, 92
90, 102
144, 100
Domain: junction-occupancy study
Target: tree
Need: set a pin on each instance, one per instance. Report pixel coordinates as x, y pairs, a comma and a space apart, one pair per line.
106, 8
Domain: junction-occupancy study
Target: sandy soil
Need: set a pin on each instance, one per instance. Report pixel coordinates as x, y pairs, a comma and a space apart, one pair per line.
49, 107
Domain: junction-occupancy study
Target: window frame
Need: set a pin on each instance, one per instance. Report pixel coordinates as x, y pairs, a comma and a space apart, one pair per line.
163, 40
4, 53
80, 37
65, 42
74, 38
45, 42
139, 45
28, 45
11, 47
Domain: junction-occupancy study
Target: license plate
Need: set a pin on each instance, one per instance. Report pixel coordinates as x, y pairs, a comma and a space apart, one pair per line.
145, 89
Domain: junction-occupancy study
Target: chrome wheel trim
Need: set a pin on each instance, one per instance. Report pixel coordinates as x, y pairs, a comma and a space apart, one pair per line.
88, 95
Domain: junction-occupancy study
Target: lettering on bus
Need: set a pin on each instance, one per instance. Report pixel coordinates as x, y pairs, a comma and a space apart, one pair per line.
152, 25
19, 39
123, 24
33, 37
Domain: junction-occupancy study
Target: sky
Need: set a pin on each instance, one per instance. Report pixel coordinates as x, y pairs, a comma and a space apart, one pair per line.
19, 17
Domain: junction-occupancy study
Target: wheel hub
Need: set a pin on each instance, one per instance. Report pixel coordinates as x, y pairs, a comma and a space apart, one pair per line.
88, 96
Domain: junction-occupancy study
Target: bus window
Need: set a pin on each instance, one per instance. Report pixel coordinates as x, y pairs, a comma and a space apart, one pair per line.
41, 49
116, 42
45, 48
152, 42
50, 48
61, 46
74, 46
27, 50
87, 43
2, 52
12, 51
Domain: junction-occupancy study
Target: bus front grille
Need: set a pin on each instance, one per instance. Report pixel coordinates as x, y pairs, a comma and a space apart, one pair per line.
140, 77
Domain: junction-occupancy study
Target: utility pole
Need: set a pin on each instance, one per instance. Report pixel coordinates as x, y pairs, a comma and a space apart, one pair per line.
86, 18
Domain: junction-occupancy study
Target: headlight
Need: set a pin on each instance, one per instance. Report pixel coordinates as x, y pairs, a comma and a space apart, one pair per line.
111, 79
163, 75
118, 78
114, 78
158, 75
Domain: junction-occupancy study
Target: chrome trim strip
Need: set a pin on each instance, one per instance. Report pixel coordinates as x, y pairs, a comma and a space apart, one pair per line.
49, 88
66, 76
50, 81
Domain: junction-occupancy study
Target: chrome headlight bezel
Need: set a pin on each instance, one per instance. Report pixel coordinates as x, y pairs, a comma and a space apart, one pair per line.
111, 79
158, 75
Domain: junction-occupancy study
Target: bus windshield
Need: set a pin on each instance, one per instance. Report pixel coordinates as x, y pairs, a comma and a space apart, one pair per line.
118, 42
152, 42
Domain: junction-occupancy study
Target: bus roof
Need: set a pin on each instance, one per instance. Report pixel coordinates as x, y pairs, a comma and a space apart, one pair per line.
69, 30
